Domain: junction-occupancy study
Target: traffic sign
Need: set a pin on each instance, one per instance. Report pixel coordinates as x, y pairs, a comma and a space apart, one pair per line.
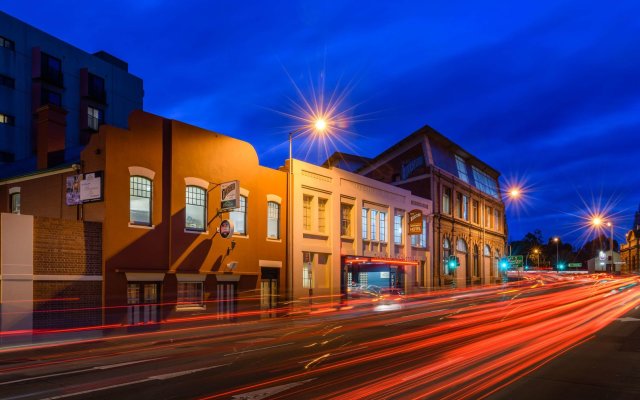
574, 265
515, 261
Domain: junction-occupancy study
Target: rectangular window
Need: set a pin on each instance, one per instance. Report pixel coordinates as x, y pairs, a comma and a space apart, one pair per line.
462, 169
189, 294
139, 200
307, 270
496, 220
6, 119
397, 229
95, 118
51, 70
485, 183
322, 215
345, 219
487, 217
459, 205
7, 43
7, 81
239, 217
15, 203
420, 240
273, 220
446, 200
133, 293
465, 208
196, 209
382, 217
306, 212
96, 88
475, 215
373, 224
50, 97
364, 223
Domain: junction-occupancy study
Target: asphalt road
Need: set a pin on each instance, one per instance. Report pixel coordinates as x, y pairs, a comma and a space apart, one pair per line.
491, 341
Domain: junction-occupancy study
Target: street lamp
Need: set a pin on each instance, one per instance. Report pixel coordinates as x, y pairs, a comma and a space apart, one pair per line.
597, 222
556, 239
319, 125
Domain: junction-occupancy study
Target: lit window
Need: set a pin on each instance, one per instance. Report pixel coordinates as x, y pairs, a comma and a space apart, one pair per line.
465, 208
139, 200
446, 253
189, 294
487, 217
196, 209
462, 169
345, 219
15, 203
397, 229
373, 224
95, 118
307, 272
273, 220
7, 119
446, 200
382, 217
239, 217
496, 220
476, 206
322, 215
420, 240
364, 222
306, 212
485, 183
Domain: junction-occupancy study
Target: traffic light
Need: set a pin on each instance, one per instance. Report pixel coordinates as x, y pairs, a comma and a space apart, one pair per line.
504, 264
453, 262
560, 267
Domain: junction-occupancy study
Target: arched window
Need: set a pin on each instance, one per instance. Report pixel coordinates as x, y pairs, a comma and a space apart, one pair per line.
273, 220
140, 200
461, 246
446, 253
476, 264
196, 209
487, 250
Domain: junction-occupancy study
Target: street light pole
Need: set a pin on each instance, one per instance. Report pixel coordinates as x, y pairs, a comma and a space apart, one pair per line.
556, 239
613, 266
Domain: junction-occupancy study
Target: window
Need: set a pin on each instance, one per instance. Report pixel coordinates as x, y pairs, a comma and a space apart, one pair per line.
487, 217
345, 219
446, 200
51, 69
7, 119
462, 169
307, 272
496, 220
50, 97
420, 240
14, 199
446, 253
461, 246
6, 43
96, 88
306, 212
459, 205
139, 200
95, 118
465, 207
196, 209
487, 250
189, 294
322, 215
373, 223
364, 222
7, 81
382, 217
239, 217
476, 264
397, 229
475, 215
273, 220
485, 183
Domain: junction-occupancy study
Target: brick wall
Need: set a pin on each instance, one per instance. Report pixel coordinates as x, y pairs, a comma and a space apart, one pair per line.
64, 247
66, 304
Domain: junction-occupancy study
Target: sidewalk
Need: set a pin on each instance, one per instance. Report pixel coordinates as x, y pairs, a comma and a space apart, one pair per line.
606, 367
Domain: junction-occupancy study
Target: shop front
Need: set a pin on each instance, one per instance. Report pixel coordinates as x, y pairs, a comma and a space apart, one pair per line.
370, 276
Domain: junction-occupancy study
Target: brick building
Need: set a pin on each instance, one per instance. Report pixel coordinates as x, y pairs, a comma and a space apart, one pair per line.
630, 251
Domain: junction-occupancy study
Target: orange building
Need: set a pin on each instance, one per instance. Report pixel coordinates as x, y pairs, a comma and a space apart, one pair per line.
154, 191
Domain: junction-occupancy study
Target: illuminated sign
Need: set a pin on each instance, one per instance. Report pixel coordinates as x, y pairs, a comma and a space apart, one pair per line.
229, 195
415, 222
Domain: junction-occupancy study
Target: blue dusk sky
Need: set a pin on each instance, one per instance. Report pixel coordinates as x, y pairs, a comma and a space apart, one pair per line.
548, 93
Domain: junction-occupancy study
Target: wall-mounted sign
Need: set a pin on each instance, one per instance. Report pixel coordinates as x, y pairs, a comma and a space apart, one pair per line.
410, 166
229, 195
226, 228
73, 190
91, 187
415, 222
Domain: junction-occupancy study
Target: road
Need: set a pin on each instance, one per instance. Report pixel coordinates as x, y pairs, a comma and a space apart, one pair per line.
467, 343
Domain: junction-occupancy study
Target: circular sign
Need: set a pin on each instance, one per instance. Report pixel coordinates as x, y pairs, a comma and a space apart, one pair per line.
226, 228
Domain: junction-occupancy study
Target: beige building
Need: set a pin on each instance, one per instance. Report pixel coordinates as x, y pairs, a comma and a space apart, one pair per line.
349, 230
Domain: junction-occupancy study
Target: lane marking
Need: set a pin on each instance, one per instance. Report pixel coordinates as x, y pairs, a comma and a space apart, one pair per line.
258, 349
101, 367
181, 373
264, 393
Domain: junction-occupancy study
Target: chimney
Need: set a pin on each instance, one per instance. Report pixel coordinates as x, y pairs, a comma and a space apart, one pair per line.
50, 135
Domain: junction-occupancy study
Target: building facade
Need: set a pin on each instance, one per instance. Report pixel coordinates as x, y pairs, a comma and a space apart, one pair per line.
153, 192
350, 231
630, 251
83, 91
468, 216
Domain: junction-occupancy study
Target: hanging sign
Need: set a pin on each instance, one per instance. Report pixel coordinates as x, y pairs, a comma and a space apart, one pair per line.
229, 195
226, 228
415, 222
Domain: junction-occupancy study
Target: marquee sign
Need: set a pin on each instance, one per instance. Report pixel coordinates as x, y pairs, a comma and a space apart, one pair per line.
415, 222
229, 195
